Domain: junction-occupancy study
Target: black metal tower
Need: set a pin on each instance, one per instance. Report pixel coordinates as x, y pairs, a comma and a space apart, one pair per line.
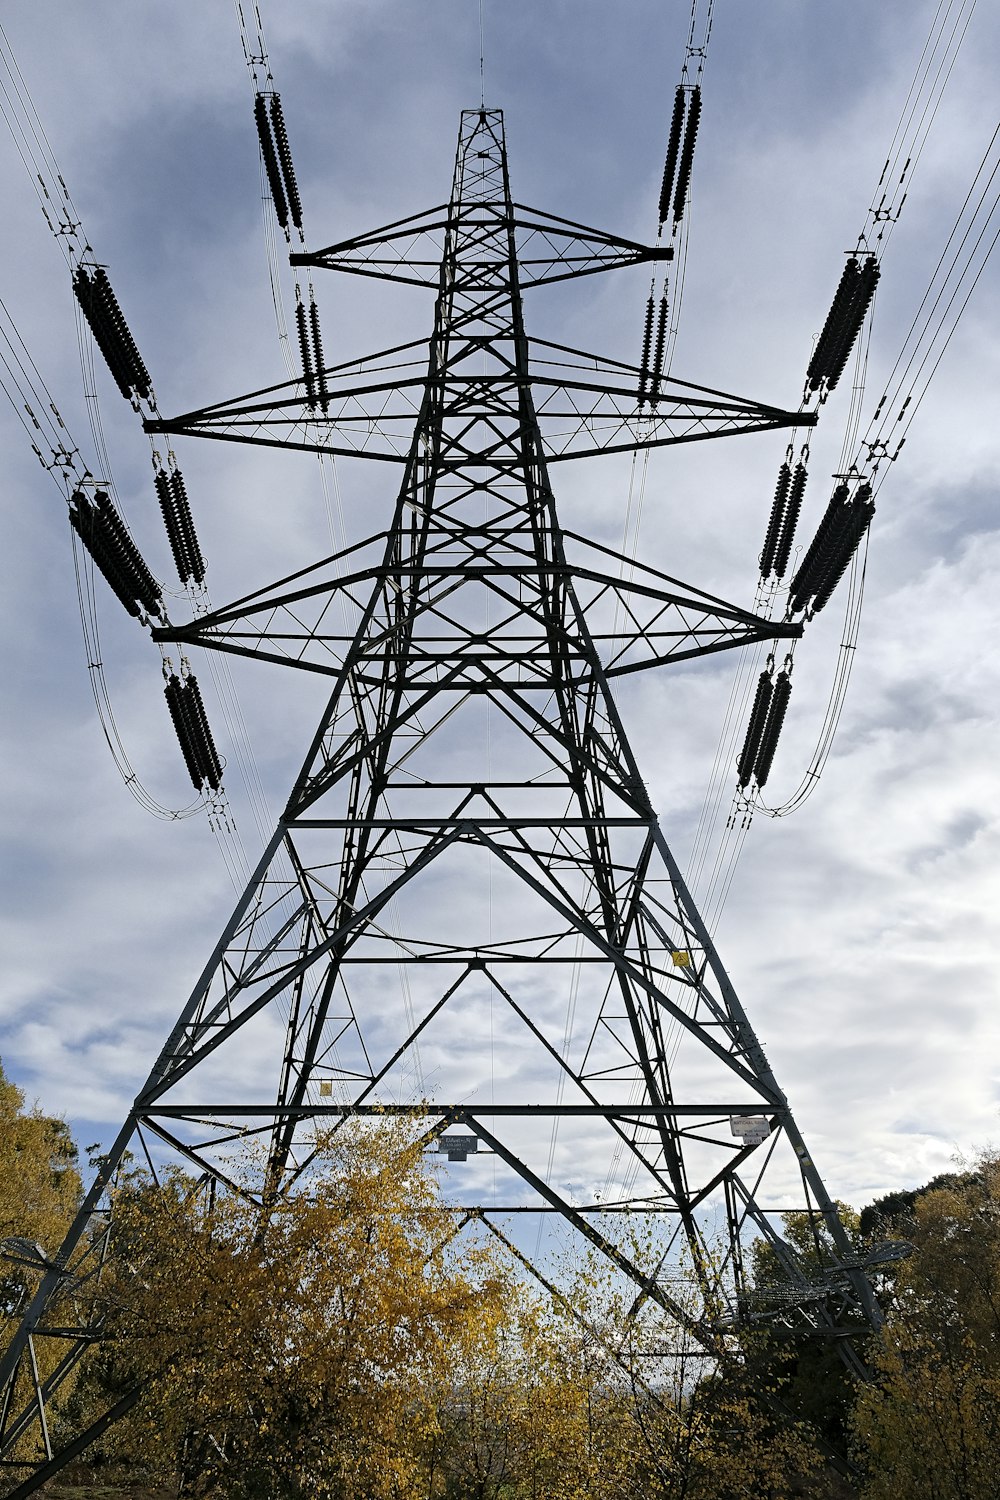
471, 744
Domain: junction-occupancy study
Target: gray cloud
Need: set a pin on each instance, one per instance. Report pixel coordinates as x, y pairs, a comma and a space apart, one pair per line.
862, 931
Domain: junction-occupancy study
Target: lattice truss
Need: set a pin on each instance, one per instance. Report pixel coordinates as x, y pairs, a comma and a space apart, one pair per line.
468, 912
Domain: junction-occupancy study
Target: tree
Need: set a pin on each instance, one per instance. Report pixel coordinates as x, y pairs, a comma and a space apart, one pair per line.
39, 1187
535, 1407
808, 1376
298, 1351
348, 1344
930, 1427
39, 1192
594, 1394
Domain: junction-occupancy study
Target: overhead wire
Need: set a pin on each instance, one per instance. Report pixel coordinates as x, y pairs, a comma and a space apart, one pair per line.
36, 154
34, 406
933, 325
262, 84
666, 289
32, 402
920, 109
65, 222
959, 268
696, 58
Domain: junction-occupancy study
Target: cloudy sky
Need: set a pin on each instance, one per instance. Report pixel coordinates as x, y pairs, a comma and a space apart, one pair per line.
861, 930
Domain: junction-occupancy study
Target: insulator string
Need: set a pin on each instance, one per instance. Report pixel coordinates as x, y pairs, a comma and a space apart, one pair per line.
99, 317
918, 360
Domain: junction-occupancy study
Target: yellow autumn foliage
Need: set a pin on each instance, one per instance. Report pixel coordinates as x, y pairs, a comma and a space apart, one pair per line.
297, 1352
39, 1182
39, 1192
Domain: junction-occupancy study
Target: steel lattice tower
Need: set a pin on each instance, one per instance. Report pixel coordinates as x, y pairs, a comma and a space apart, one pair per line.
471, 742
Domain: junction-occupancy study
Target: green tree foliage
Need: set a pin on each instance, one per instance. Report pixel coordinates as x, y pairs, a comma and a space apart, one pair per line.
807, 1376
930, 1427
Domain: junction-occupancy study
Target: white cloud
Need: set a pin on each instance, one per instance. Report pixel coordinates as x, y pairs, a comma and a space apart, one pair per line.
861, 932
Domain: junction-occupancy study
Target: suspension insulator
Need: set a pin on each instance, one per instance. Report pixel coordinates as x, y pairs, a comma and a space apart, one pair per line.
862, 510
191, 724
867, 282
843, 323
839, 309
285, 158
182, 511
755, 728
176, 703
317, 349
209, 761
775, 520
658, 349
673, 146
772, 727
103, 533
839, 546
687, 154
112, 313
103, 336
790, 521
647, 340
813, 565
147, 590
308, 373
271, 167
111, 333
175, 533
83, 519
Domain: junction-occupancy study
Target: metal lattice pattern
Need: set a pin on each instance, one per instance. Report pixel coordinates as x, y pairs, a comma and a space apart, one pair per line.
471, 745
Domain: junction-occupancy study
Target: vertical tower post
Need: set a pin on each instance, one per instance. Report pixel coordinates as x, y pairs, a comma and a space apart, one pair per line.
468, 912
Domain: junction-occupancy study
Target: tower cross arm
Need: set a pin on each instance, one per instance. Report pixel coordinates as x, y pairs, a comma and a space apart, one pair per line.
407, 250
638, 616
550, 248
585, 404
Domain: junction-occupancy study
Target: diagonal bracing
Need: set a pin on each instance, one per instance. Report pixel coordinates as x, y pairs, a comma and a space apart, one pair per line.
468, 913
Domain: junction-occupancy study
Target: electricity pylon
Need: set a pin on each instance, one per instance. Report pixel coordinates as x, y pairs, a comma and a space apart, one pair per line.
469, 867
